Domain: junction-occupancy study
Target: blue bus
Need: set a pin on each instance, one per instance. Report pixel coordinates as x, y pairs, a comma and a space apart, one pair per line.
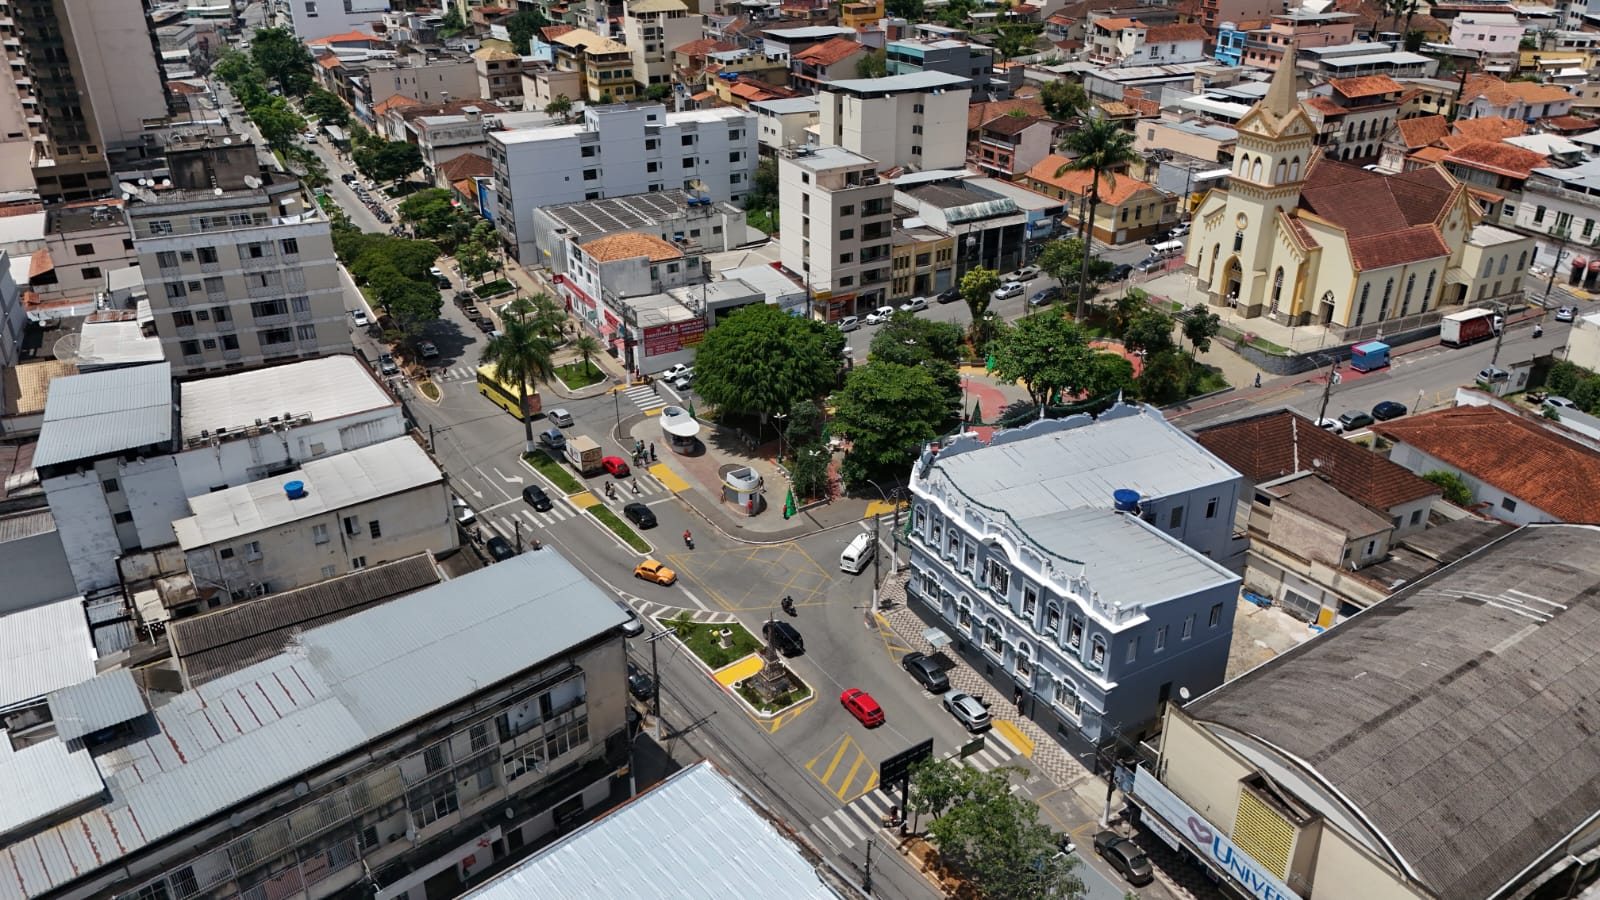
1370, 356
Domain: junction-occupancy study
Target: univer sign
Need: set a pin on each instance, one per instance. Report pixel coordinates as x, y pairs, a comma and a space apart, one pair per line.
1207, 840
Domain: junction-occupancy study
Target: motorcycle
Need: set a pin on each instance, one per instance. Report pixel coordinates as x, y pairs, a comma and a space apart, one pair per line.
688, 540
788, 605
1538, 331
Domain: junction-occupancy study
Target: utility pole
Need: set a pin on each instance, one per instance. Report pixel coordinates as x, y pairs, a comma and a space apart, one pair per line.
517, 524
655, 676
1327, 389
616, 404
866, 880
895, 537
877, 558
1499, 333
1551, 281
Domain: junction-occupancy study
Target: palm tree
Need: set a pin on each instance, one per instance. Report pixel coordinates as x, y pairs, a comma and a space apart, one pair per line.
588, 348
1102, 148
520, 354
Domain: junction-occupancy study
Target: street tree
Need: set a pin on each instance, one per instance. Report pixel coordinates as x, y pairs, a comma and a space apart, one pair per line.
760, 360
1150, 330
278, 123
1200, 326
366, 255
1063, 261
977, 289
474, 260
804, 425
889, 411
283, 58
560, 106
1108, 373
1166, 376
411, 305
656, 93
522, 26
1103, 148
1046, 353
587, 346
453, 23
389, 161
1123, 309
872, 65
235, 68
327, 107
809, 473
1063, 99
522, 356
910, 340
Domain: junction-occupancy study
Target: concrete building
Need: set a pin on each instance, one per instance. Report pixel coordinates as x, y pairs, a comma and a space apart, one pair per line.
961, 59
782, 124
672, 215
1192, 137
1352, 115
313, 19
652, 29
239, 267
87, 80
617, 151
369, 506
838, 215
1129, 209
403, 750
1301, 27
829, 61
1487, 34
923, 261
1009, 146
619, 284
605, 66
1562, 202
499, 75
1123, 41
1214, 12
1320, 773
440, 79
72, 249
1100, 616
916, 121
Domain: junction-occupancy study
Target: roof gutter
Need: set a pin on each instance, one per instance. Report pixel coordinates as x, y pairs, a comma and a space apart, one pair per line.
1502, 889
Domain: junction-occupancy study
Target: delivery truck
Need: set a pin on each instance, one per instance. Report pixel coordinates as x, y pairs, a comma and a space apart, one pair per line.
584, 454
1468, 327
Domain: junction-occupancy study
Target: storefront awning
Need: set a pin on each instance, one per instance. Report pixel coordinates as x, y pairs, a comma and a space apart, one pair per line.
936, 639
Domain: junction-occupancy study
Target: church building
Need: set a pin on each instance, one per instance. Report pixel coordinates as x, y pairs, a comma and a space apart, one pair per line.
1307, 240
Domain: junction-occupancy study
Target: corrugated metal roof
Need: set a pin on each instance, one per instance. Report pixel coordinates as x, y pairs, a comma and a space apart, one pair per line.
338, 688
42, 649
28, 524
43, 779
326, 388
695, 835
100, 702
98, 413
331, 483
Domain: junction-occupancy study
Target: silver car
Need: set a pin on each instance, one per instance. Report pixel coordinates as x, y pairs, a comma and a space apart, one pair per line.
967, 710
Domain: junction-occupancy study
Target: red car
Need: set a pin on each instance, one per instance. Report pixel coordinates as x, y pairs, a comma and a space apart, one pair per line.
860, 704
615, 466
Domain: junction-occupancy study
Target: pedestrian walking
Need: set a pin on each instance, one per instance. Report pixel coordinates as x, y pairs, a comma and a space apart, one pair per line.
1258, 379
652, 451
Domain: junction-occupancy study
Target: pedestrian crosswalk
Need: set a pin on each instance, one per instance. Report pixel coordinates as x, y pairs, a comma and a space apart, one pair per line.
646, 397
863, 817
458, 373
503, 521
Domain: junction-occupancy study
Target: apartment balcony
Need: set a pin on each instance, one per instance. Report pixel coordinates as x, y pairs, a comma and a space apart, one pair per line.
225, 326
185, 331
194, 360
267, 261
264, 290
232, 355
211, 267
270, 321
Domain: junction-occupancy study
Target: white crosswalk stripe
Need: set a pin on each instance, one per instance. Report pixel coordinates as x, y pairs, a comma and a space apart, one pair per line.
852, 823
645, 397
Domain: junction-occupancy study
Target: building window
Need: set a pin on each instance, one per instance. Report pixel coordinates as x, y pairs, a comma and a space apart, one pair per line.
964, 614
1361, 310
991, 636
969, 559
109, 486
352, 526
1097, 652
1416, 516
252, 551
372, 526
999, 577
1052, 619
1030, 600
1024, 662
1176, 518
306, 334
1161, 638
207, 254
1188, 627
1405, 301
1211, 508
1075, 633
1388, 294
122, 518
954, 546
1238, 241
1216, 616
1427, 293
934, 531
1508, 504
1133, 649
289, 246
1068, 699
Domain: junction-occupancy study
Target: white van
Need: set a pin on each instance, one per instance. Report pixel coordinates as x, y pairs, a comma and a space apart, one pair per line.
1167, 249
856, 556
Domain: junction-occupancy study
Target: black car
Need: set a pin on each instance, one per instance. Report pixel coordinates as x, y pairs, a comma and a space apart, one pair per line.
926, 672
1119, 272
640, 515
1387, 410
500, 549
783, 636
949, 295
485, 324
640, 685
537, 498
1124, 856
1048, 295
348, 178
1352, 420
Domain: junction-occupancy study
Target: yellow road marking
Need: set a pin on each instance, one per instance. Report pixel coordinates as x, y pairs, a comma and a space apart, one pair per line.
1015, 736
738, 671
872, 784
880, 508
848, 779
832, 757
827, 776
652, 412
584, 499
669, 478
781, 719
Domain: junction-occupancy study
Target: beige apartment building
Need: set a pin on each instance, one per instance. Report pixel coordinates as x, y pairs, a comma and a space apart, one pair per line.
239, 268
652, 29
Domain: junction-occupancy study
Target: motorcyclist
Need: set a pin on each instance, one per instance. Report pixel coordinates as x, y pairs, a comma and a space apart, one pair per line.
688, 539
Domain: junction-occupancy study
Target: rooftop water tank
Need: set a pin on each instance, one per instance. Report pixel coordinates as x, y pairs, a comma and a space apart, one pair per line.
297, 489
1125, 500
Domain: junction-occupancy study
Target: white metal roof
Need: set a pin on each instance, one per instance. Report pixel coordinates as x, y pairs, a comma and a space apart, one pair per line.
100, 702
98, 413
102, 344
342, 686
42, 779
332, 483
44, 648
911, 81
696, 836
327, 388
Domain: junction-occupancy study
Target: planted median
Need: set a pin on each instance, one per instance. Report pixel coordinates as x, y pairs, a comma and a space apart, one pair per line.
620, 528
551, 468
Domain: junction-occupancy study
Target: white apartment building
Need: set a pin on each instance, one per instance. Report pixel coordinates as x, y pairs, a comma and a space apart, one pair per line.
13, 321
917, 121
785, 122
838, 216
1562, 202
616, 151
329, 517
313, 19
652, 29
71, 250
121, 452
240, 269
1490, 34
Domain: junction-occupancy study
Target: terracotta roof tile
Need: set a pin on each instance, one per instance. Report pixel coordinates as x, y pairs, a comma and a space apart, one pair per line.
703, 46
1397, 248
328, 62
1077, 182
1172, 34
466, 187
830, 52
1430, 154
1117, 23
40, 262
1365, 85
551, 32
1298, 230
704, 96
1490, 128
1009, 125
1387, 219
347, 38
1570, 124
1423, 130
629, 245
1502, 93
1501, 158
467, 165
1323, 105
1523, 457
391, 102
1265, 446
979, 113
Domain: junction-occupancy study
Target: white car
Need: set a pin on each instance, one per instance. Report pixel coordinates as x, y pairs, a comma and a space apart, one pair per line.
849, 323
1559, 403
685, 381
1179, 231
674, 373
1331, 425
880, 315
914, 304
1026, 273
1006, 291
359, 317
1566, 314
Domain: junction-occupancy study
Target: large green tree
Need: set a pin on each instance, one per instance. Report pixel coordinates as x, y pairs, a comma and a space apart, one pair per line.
873, 65
522, 356
888, 411
977, 289
434, 216
326, 107
760, 360
390, 161
1063, 261
278, 123
1103, 148
910, 340
283, 58
1063, 99
521, 27
1150, 330
411, 305
1200, 325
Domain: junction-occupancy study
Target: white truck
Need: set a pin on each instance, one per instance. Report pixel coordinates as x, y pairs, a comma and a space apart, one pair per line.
584, 454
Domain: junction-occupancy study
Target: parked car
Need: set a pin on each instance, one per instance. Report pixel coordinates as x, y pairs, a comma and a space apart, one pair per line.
1046, 296
1178, 231
438, 274
559, 417
465, 516
860, 704
387, 365
500, 549
428, 349
640, 515
926, 672
1007, 291
1331, 425
615, 466
1389, 409
485, 325
1566, 314
880, 315
1016, 276
915, 304
673, 372
1119, 272
652, 570
359, 317
948, 295
785, 637
1354, 419
967, 710
685, 381
1148, 264
1493, 375
634, 626
1124, 856
640, 684
348, 178
537, 498
1559, 403
849, 323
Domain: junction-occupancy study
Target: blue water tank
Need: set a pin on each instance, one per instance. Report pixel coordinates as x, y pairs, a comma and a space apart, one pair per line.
295, 489
1125, 500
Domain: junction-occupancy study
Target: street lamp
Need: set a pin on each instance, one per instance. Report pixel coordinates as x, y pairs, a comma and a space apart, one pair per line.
780, 417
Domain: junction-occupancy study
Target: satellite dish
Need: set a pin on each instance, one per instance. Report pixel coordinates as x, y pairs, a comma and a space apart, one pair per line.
252, 181
129, 190
226, 141
1183, 693
166, 182
144, 182
66, 347
217, 191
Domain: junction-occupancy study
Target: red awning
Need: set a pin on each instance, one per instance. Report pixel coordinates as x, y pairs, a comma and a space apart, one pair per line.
1579, 262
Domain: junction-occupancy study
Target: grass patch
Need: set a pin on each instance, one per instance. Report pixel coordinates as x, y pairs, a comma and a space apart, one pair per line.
429, 390
552, 469
781, 702
1210, 381
620, 528
577, 375
702, 640
493, 289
